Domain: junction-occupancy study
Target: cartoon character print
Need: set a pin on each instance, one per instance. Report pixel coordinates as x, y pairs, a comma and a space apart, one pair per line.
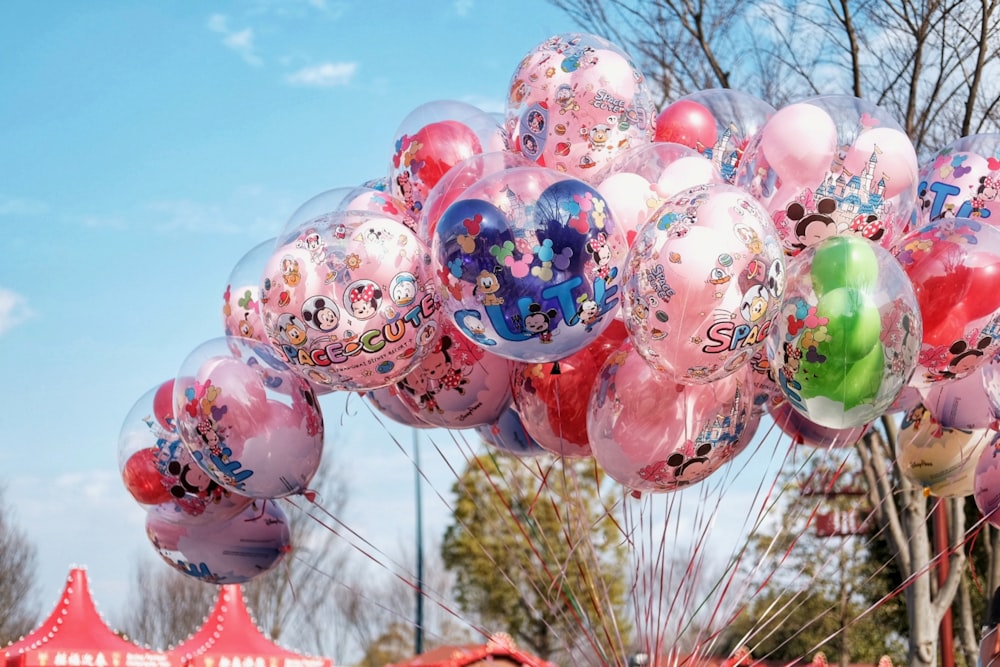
964, 358
363, 298
290, 273
435, 374
540, 322
290, 330
989, 188
600, 250
320, 312
403, 289
487, 286
314, 244
471, 323
812, 227
672, 471
588, 312
753, 306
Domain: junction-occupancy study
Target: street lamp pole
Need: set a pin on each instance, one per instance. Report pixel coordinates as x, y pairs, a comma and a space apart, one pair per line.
419, 629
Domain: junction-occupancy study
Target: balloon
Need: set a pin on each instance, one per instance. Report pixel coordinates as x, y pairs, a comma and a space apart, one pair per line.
432, 139
843, 356
232, 551
529, 260
703, 283
802, 431
962, 180
508, 435
737, 117
954, 265
552, 398
963, 403
575, 101
458, 384
241, 300
387, 401
832, 165
642, 178
359, 312
942, 460
451, 186
688, 123
249, 422
157, 469
367, 198
652, 434
986, 480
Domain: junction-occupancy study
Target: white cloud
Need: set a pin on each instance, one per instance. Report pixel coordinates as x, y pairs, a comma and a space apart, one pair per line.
14, 310
239, 41
463, 7
15, 206
324, 75
249, 210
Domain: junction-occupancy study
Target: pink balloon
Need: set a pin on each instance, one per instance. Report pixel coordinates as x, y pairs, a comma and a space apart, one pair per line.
241, 300
231, 551
251, 424
349, 303
458, 384
575, 101
963, 403
799, 142
704, 282
893, 158
652, 434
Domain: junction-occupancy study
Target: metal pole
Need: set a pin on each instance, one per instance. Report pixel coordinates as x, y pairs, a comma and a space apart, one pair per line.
946, 629
419, 629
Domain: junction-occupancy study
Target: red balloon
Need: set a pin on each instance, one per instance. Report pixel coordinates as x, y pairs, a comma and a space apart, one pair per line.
552, 398
163, 406
688, 123
142, 478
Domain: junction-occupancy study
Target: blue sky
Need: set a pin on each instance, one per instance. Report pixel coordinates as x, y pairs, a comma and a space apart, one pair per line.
146, 147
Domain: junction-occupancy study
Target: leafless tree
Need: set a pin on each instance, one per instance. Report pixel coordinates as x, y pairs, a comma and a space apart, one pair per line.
18, 579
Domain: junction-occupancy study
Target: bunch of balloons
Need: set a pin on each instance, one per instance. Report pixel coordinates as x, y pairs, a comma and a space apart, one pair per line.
585, 277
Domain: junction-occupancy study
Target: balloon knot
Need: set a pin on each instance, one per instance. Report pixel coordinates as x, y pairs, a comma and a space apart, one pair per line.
555, 369
309, 495
927, 492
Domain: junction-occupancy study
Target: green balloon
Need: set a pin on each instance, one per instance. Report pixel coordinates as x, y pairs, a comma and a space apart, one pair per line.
844, 261
853, 326
821, 378
863, 380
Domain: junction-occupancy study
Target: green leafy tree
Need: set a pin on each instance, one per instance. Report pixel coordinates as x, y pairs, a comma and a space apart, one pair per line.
537, 555
18, 579
817, 590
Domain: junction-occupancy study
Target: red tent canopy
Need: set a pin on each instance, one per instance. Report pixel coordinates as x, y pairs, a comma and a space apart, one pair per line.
230, 638
499, 646
75, 635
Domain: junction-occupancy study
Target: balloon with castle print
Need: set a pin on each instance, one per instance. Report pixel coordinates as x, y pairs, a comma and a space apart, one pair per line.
832, 165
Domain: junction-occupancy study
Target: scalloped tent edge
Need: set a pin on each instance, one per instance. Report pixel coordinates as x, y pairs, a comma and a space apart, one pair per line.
76, 634
229, 635
499, 645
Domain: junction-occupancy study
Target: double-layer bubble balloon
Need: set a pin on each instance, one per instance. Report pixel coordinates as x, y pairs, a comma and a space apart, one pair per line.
254, 426
650, 433
718, 123
954, 265
241, 300
847, 340
941, 459
962, 180
231, 551
529, 262
703, 283
577, 100
349, 303
458, 384
832, 165
158, 470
